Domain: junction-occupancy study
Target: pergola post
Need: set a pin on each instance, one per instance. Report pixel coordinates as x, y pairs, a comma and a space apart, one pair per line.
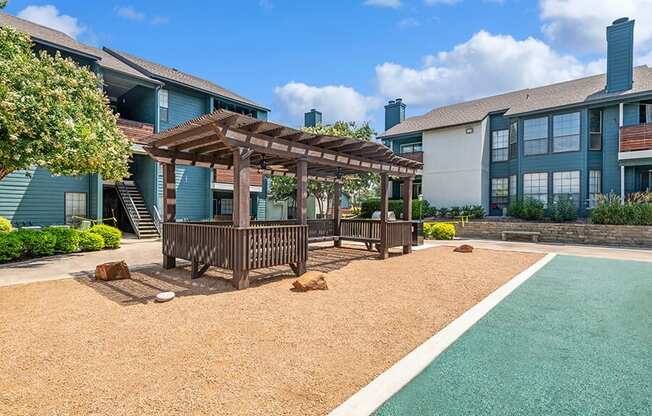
241, 215
407, 207
169, 205
301, 201
384, 207
337, 212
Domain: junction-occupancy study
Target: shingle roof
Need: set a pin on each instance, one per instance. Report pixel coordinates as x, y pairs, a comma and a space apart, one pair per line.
42, 34
155, 70
569, 93
45, 34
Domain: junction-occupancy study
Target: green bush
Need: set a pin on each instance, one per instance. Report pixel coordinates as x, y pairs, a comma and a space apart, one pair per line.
439, 230
563, 209
5, 225
368, 207
110, 234
528, 209
610, 210
443, 212
11, 247
67, 239
89, 241
37, 243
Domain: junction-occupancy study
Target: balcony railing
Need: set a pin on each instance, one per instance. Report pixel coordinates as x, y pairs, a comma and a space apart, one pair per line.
135, 130
635, 138
418, 156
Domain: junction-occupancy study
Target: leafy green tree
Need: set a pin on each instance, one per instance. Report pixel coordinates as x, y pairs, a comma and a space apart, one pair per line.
357, 187
54, 115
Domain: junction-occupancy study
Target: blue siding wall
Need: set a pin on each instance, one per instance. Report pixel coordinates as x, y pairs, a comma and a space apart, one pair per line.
610, 146
183, 105
35, 197
143, 170
192, 184
620, 56
139, 105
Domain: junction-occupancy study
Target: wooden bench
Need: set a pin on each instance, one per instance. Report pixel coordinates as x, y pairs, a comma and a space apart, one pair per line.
532, 234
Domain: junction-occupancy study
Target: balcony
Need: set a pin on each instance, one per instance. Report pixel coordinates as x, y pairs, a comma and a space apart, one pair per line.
135, 130
636, 138
418, 156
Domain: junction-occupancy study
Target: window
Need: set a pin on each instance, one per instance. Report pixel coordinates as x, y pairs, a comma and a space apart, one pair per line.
499, 192
595, 187
566, 132
411, 148
225, 206
595, 130
75, 206
499, 145
512, 188
566, 184
535, 136
513, 140
163, 103
535, 186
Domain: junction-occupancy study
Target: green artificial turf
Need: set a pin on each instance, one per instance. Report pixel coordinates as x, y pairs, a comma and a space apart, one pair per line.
575, 339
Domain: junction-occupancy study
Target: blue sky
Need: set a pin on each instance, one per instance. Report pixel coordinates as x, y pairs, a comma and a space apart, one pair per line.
347, 58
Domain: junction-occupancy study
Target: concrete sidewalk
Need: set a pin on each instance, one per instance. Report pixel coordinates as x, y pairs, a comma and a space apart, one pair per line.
135, 252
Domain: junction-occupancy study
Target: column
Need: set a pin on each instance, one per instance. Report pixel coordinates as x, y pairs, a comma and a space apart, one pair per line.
241, 215
384, 207
622, 184
169, 207
407, 208
302, 209
337, 212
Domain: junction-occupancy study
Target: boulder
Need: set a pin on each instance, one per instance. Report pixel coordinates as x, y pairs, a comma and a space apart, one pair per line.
464, 248
165, 296
310, 281
112, 271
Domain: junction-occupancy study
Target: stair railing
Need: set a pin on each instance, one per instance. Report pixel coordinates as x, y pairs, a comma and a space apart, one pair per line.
130, 206
158, 220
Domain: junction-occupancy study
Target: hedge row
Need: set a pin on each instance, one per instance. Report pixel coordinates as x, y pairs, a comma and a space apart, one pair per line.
26, 243
421, 209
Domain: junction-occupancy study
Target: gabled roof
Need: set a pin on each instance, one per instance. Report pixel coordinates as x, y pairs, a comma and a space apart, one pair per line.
165, 73
54, 38
586, 90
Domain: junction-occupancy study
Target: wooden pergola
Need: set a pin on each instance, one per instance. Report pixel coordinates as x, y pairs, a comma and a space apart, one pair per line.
228, 140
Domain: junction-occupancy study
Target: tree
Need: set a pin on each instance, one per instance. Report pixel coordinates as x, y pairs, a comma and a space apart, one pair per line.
355, 187
54, 115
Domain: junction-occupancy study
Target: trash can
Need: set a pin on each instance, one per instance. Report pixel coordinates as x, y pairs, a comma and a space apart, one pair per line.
417, 233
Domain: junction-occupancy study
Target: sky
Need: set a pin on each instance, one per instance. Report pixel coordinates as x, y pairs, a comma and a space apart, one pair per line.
348, 58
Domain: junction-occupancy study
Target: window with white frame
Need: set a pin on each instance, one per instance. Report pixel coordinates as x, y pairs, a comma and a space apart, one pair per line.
566, 184
163, 103
411, 148
595, 187
566, 132
535, 136
513, 140
75, 206
499, 192
535, 186
499, 145
512, 188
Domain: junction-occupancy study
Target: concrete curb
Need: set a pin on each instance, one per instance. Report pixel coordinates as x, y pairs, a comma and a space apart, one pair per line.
373, 395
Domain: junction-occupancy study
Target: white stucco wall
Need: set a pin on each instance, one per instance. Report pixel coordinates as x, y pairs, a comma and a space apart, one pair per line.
456, 166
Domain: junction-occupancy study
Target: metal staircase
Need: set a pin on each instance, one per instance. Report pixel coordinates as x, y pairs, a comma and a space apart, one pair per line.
139, 216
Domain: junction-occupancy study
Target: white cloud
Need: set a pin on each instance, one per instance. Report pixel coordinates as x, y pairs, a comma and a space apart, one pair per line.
266, 4
434, 2
160, 20
384, 3
408, 22
49, 16
580, 24
336, 102
484, 65
129, 12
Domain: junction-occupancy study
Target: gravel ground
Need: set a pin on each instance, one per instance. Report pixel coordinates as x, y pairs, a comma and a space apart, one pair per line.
86, 347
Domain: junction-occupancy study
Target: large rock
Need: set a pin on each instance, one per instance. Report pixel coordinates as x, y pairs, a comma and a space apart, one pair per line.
112, 271
310, 281
464, 248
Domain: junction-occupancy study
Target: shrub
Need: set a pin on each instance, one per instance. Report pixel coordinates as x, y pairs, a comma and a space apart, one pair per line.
368, 207
454, 212
5, 225
89, 241
563, 209
11, 247
610, 210
528, 209
439, 230
110, 234
67, 239
443, 212
37, 243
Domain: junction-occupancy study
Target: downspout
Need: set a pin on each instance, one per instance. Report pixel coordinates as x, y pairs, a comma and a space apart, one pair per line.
621, 123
